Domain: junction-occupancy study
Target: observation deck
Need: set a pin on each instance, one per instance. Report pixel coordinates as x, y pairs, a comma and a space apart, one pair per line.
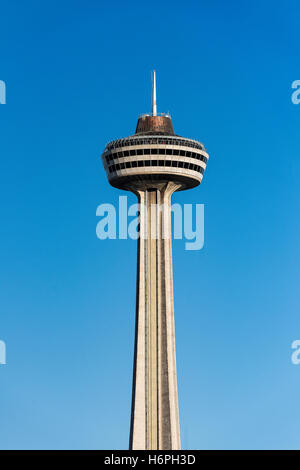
154, 155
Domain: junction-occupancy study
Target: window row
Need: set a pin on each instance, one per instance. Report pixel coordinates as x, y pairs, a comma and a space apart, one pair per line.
162, 151
153, 140
142, 163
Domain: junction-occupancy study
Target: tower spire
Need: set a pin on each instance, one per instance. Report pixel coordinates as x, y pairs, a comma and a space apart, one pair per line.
154, 108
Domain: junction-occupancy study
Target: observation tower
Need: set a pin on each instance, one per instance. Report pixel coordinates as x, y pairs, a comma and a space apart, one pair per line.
153, 163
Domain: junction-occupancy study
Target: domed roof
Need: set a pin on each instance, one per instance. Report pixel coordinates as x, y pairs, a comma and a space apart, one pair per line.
148, 124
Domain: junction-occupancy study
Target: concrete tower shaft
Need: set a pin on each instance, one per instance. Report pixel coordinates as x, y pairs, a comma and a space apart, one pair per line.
154, 415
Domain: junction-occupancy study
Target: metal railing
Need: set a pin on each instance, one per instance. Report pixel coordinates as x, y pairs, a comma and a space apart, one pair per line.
168, 140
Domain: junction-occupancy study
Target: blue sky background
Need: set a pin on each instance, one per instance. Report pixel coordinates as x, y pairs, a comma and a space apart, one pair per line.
78, 75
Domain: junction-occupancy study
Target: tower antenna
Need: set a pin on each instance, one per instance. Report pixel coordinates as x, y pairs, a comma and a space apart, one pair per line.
154, 108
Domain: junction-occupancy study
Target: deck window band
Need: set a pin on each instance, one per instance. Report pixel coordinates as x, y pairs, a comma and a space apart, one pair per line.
166, 163
176, 152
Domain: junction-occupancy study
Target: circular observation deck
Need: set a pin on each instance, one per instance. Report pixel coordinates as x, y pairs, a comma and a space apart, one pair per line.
154, 155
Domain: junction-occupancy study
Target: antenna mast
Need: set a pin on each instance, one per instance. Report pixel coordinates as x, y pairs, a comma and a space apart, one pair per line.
154, 108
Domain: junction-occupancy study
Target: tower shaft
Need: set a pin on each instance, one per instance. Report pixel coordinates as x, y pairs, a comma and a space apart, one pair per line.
154, 415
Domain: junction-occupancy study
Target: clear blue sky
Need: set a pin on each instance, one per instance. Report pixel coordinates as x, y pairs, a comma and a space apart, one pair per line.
77, 76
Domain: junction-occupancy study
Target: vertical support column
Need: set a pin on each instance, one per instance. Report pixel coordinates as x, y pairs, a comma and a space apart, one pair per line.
154, 415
